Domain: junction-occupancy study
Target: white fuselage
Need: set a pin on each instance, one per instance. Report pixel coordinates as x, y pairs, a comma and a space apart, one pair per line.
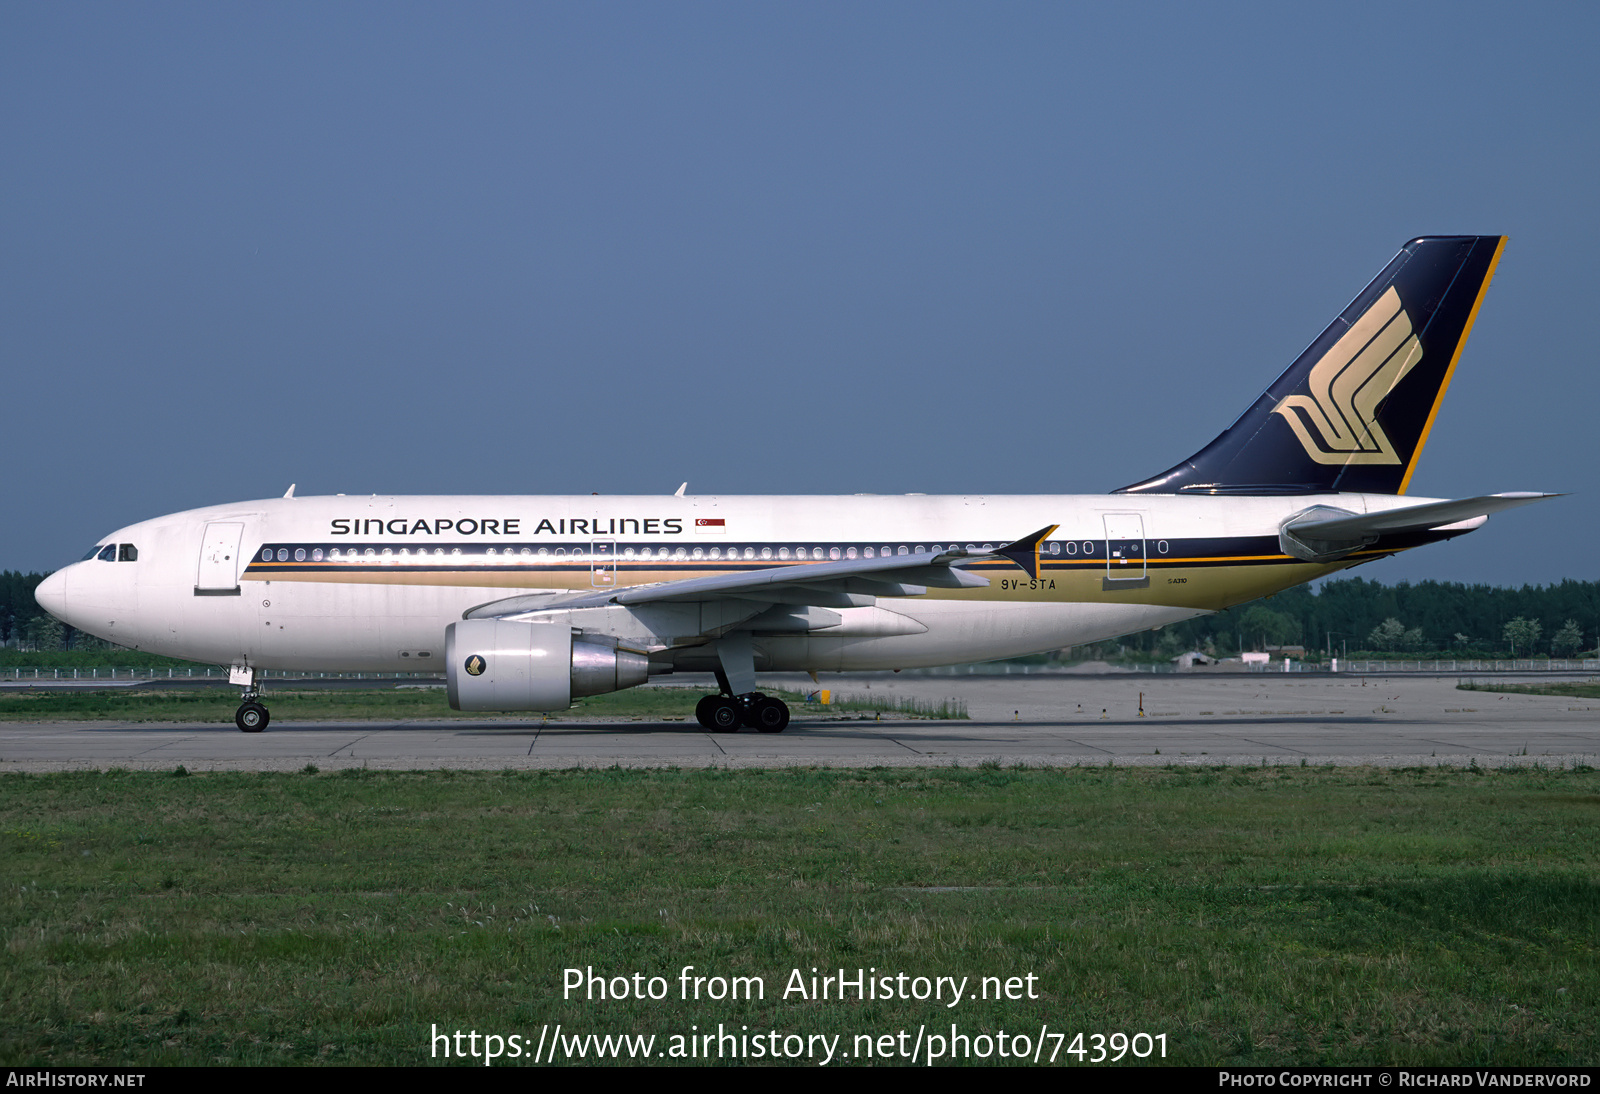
370, 583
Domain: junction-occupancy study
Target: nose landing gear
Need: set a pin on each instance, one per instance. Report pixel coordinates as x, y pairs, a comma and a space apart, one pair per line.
252, 716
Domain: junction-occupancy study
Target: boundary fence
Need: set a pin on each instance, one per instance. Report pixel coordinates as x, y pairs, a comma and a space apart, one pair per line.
1442, 666
1535, 665
122, 675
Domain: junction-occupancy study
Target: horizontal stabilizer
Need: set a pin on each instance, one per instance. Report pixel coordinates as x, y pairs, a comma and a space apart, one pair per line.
1324, 534
1413, 518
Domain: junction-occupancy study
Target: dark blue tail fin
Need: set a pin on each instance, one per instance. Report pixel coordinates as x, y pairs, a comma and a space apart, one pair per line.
1353, 411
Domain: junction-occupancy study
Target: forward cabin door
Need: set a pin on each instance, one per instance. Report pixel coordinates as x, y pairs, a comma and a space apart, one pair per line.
218, 574
1125, 559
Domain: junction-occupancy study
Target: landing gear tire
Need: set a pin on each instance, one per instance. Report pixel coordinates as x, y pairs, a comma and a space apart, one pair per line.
722, 713
767, 714
251, 718
702, 711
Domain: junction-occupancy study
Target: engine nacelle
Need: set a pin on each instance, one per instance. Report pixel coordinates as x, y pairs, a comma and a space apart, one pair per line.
493, 664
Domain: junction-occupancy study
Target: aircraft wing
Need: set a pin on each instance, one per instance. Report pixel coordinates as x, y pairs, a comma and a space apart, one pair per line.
1410, 518
843, 584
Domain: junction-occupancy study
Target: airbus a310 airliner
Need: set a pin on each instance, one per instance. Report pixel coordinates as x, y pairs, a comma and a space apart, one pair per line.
528, 602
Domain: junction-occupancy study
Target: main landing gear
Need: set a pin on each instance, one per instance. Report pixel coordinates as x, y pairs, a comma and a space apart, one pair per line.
728, 713
739, 703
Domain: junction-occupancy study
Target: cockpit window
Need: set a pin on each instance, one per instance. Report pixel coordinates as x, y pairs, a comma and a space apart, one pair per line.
127, 552
108, 553
92, 552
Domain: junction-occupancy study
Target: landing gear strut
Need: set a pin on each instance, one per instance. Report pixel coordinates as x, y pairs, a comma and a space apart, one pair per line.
739, 703
726, 713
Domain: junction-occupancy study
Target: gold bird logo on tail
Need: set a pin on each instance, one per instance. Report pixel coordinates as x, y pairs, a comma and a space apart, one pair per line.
1348, 385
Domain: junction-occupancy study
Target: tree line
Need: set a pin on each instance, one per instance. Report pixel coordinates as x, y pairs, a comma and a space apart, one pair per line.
1439, 618
22, 621
1346, 615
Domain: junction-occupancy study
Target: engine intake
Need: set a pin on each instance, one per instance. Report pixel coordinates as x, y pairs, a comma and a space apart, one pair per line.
494, 664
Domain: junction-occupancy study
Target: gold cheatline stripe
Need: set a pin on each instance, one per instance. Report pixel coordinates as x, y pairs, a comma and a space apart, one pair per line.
1096, 563
1099, 562
1461, 344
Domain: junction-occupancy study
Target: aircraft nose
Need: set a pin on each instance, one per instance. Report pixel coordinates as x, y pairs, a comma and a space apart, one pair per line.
52, 594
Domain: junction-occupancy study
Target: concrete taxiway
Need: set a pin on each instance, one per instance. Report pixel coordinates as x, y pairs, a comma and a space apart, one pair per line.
1059, 720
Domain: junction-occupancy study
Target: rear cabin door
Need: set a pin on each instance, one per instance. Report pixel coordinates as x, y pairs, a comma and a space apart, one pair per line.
1125, 547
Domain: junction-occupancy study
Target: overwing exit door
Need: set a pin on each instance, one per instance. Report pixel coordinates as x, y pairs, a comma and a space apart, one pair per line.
603, 563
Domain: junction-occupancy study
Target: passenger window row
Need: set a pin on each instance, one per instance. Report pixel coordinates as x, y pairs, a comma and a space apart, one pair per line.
781, 554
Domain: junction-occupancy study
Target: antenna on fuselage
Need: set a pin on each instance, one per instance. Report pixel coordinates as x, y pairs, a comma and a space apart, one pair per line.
678, 493
289, 493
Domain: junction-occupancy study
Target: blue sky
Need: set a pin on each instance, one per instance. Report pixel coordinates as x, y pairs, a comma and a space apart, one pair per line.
821, 248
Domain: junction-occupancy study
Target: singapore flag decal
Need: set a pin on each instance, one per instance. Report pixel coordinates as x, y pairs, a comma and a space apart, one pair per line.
710, 526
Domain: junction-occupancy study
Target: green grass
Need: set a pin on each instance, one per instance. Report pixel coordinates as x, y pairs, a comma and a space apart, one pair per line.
217, 704
85, 660
903, 705
1571, 691
1255, 916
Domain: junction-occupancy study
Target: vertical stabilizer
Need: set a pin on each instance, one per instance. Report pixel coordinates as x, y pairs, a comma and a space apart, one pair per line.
1354, 410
